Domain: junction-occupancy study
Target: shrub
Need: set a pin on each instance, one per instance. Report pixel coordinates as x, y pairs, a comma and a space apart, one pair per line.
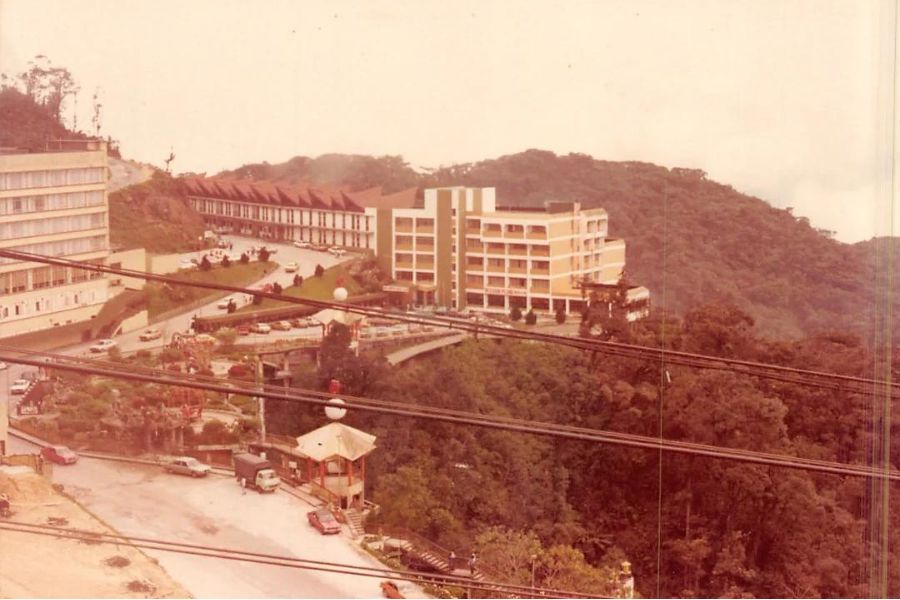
205, 265
530, 318
257, 300
298, 280
263, 255
226, 262
515, 314
232, 306
244, 258
227, 336
276, 288
561, 316
320, 270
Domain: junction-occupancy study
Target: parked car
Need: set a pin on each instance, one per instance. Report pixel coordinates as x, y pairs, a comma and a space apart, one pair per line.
301, 322
205, 338
301, 244
19, 387
185, 264
187, 465
242, 330
60, 455
103, 346
324, 521
148, 335
291, 267
260, 328
335, 251
281, 326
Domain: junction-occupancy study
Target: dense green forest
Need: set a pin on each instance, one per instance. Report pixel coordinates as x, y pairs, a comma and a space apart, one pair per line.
690, 240
721, 528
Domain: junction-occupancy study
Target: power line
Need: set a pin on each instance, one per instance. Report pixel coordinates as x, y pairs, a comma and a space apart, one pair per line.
284, 561
314, 397
805, 377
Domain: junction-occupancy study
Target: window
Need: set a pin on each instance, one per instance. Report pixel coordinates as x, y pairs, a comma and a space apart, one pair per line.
40, 278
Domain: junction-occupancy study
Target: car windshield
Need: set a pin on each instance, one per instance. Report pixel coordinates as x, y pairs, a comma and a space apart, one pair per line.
325, 516
63, 451
268, 475
192, 462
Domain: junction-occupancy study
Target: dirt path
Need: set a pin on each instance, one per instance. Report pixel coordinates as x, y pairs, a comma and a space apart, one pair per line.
127, 172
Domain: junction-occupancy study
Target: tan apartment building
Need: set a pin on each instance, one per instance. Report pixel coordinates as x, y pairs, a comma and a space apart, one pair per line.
461, 251
53, 203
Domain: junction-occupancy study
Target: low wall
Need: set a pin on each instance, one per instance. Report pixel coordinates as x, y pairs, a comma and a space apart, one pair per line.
162, 264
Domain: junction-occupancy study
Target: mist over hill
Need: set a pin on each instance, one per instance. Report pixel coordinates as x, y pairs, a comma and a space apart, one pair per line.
691, 240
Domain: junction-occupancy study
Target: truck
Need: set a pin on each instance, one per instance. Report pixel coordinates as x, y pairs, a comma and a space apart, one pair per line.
255, 472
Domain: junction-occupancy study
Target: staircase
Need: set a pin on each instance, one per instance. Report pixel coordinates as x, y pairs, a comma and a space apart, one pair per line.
354, 522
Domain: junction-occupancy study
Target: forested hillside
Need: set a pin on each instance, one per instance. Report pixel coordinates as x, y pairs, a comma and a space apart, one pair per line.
690, 240
720, 528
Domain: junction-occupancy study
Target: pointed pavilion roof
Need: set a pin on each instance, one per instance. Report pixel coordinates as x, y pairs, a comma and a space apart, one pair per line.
335, 439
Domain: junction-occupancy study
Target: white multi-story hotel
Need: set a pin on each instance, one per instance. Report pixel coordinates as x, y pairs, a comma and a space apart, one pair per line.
53, 203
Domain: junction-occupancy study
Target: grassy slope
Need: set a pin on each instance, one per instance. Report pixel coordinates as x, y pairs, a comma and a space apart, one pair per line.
162, 299
317, 288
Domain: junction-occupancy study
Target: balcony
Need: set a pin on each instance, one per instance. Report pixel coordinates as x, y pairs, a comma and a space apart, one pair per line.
403, 228
406, 246
540, 251
496, 269
514, 235
403, 264
536, 271
520, 251
427, 229
537, 235
490, 232
423, 264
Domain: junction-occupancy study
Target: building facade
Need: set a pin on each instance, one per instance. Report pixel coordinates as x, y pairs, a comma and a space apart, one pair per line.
459, 250
53, 203
463, 252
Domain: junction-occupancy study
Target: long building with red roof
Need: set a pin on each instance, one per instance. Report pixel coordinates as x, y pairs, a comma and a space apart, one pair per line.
320, 214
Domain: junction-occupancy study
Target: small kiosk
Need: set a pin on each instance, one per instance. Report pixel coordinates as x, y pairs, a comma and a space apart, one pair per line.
335, 458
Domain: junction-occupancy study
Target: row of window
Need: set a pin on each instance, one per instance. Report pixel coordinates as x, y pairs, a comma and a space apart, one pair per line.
36, 179
29, 204
62, 248
25, 280
283, 216
22, 229
51, 303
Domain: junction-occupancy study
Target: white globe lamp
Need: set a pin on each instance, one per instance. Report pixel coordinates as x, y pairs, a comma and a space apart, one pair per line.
334, 410
340, 294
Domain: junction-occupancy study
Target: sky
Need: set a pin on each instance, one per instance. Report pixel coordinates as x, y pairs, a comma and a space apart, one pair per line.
787, 100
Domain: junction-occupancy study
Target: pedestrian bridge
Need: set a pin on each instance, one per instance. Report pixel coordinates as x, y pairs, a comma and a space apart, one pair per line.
405, 354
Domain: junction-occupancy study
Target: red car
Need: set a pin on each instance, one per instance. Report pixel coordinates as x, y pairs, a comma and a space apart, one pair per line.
61, 455
324, 521
243, 330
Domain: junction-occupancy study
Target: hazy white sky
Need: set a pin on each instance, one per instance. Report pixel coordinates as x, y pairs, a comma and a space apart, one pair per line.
788, 100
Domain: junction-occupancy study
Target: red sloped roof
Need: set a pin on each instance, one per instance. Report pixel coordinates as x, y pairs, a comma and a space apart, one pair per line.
351, 204
319, 199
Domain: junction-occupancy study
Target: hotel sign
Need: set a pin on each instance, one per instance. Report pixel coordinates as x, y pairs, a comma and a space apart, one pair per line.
505, 291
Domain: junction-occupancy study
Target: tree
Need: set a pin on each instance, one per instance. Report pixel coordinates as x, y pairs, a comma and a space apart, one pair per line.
276, 288
263, 255
232, 306
561, 315
515, 314
320, 270
530, 318
48, 85
257, 299
244, 258
226, 262
298, 280
606, 314
170, 355
227, 336
205, 265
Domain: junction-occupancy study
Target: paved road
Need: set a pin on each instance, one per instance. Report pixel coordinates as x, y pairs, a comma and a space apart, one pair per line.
144, 501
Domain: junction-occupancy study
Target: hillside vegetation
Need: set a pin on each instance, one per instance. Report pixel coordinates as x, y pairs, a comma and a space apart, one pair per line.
154, 215
690, 240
